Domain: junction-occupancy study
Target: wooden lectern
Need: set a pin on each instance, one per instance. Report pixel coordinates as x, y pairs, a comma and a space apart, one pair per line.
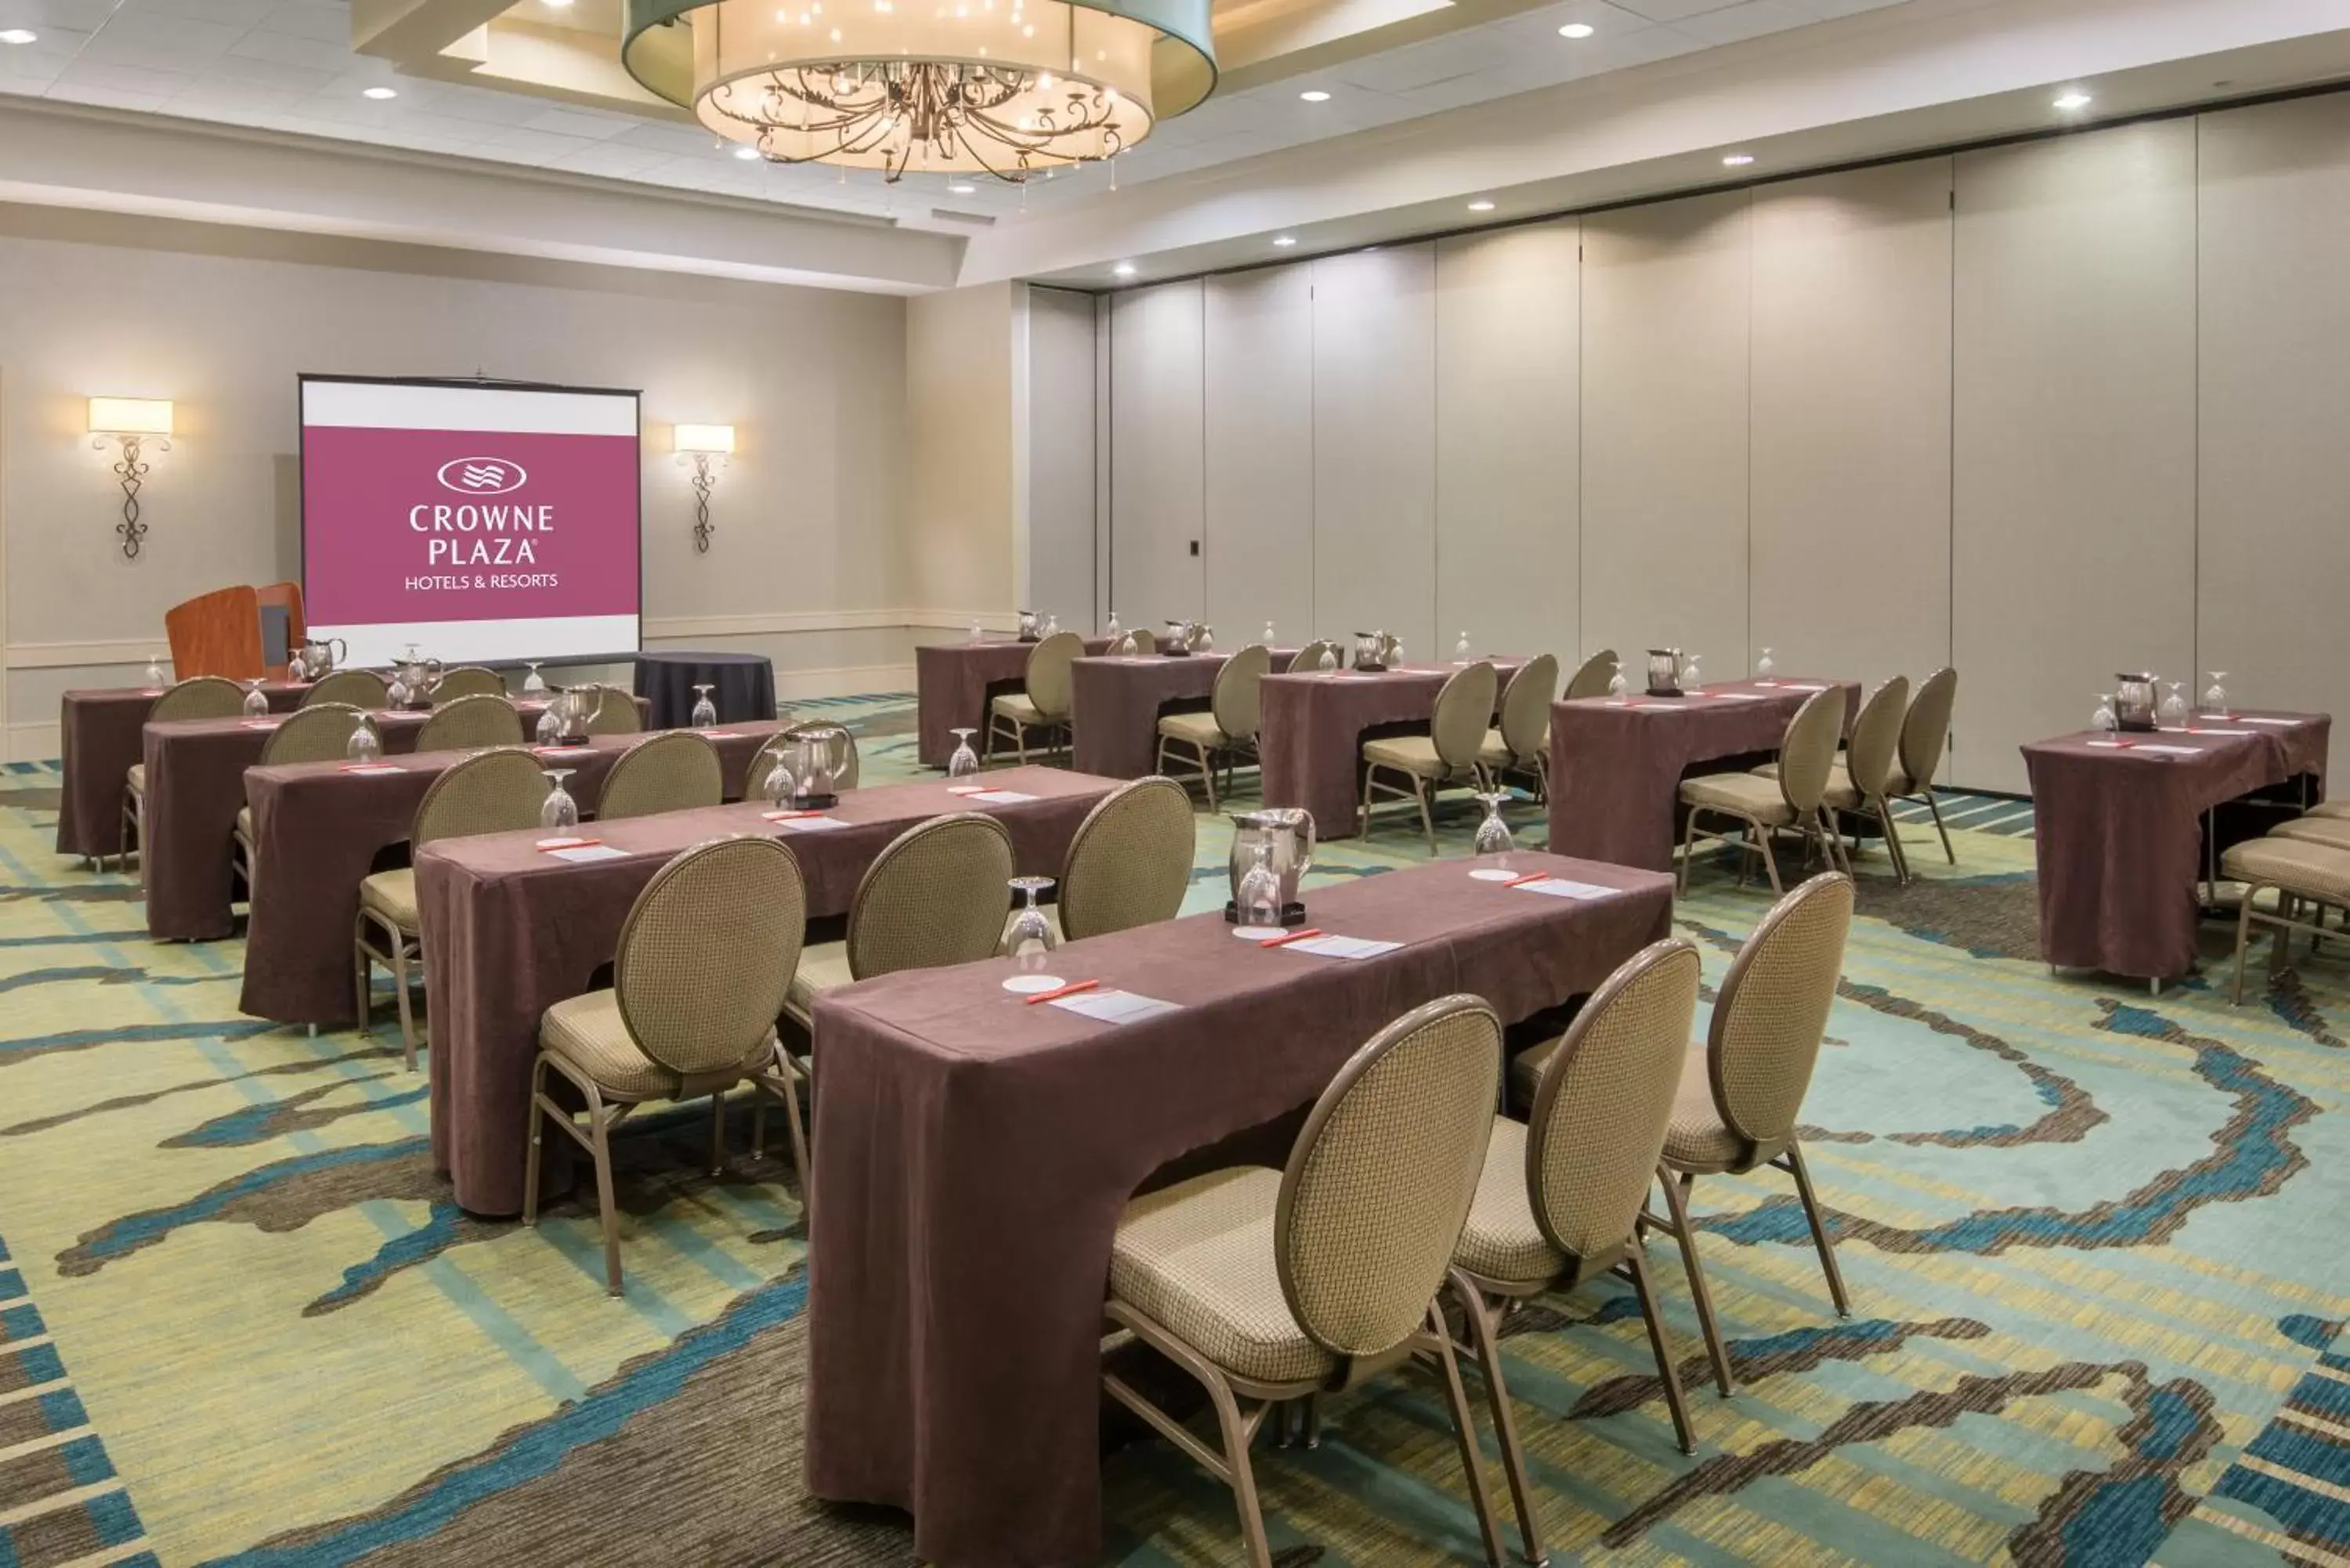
244, 633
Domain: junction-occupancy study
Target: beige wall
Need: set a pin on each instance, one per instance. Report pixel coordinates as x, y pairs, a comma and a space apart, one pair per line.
802, 565
960, 537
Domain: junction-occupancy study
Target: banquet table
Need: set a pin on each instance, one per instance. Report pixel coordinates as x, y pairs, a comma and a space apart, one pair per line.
1617, 763
742, 686
195, 787
318, 829
953, 681
510, 930
97, 739
1116, 701
1310, 732
2119, 823
974, 1153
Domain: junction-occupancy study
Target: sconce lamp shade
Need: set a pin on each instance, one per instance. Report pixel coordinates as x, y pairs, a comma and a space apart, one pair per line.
705, 438
130, 416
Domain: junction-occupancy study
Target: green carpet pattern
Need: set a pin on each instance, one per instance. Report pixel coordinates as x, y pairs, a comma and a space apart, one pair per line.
2096, 1239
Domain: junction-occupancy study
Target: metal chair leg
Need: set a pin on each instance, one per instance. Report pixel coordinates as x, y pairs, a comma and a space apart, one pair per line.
1505, 1425
1419, 792
1935, 806
1819, 1229
1464, 1427
1677, 1200
601, 1149
1668, 1372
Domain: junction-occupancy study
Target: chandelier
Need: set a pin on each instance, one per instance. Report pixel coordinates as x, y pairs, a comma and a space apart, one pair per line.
1004, 88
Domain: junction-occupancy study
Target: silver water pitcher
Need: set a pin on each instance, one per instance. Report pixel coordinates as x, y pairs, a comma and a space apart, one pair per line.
819, 756
1371, 650
571, 715
1287, 832
1029, 623
1664, 672
2134, 701
318, 658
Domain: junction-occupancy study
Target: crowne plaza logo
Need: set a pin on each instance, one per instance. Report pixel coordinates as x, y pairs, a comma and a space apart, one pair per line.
483, 476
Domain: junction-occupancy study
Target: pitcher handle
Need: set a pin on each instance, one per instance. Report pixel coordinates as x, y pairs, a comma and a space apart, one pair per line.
1307, 863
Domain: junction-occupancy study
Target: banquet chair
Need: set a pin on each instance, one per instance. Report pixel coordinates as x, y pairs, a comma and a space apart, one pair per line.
1924, 735
467, 680
1559, 1202
2317, 826
1271, 1286
676, 770
466, 724
1307, 661
1446, 754
617, 713
313, 733
1130, 862
353, 687
1226, 732
937, 895
734, 907
1140, 640
1862, 782
1789, 799
1741, 1090
1521, 743
2299, 870
198, 697
497, 790
1044, 704
1591, 678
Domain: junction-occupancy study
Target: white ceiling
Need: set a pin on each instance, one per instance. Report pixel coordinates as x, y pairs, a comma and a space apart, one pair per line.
288, 66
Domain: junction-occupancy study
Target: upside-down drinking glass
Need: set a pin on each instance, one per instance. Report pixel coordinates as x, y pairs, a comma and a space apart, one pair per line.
1616, 687
550, 725
534, 684
2173, 711
1328, 663
1030, 938
1763, 666
1260, 891
1052, 625
365, 745
257, 705
2215, 700
1268, 634
155, 669
1494, 834
1462, 651
2104, 718
559, 811
1113, 631
778, 787
965, 762
705, 712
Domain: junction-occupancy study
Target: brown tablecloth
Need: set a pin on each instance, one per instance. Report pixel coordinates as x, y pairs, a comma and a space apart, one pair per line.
950, 689
1617, 764
974, 1153
98, 737
1115, 703
2117, 827
509, 931
1310, 728
318, 830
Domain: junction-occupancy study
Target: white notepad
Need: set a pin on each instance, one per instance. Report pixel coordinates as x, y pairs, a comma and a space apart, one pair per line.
588, 852
1343, 946
2171, 751
1739, 696
370, 768
1792, 686
811, 824
1114, 1006
1562, 888
999, 797
2249, 719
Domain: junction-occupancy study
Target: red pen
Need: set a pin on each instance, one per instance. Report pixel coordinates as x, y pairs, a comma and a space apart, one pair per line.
788, 816
1069, 989
1529, 876
1284, 940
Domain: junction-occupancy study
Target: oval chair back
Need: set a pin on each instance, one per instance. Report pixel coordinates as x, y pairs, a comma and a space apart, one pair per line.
1772, 1011
1463, 712
1237, 699
1926, 730
466, 723
708, 951
467, 680
199, 697
1807, 752
1145, 639
1381, 1178
619, 714
1049, 678
937, 896
492, 792
1130, 862
357, 688
1607, 1096
1307, 661
1876, 736
1592, 677
674, 770
1525, 708
313, 733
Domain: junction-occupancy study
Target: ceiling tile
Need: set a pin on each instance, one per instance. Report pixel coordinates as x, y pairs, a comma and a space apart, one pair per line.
320, 19
1673, 10
316, 53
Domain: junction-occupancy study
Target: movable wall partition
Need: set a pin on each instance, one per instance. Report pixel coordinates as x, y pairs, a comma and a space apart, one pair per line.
2044, 411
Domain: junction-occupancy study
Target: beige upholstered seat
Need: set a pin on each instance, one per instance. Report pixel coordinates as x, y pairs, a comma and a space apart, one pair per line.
1130, 861
2301, 871
1043, 705
1447, 754
1521, 743
2332, 831
354, 688
779, 746
1925, 732
676, 770
2332, 809
822, 968
468, 723
1307, 661
1793, 799
734, 907
315, 732
1863, 782
1591, 678
1271, 1288
1228, 734
198, 697
1559, 1201
1736, 1105
497, 790
937, 895
467, 680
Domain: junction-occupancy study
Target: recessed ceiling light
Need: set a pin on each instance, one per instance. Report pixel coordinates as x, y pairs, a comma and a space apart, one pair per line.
1576, 30
2071, 98
1315, 95
960, 189
20, 36
1481, 206
1738, 159
1284, 241
558, 5
746, 153
379, 94
1124, 269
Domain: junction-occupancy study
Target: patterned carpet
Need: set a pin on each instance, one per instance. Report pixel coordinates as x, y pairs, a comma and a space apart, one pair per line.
2095, 1240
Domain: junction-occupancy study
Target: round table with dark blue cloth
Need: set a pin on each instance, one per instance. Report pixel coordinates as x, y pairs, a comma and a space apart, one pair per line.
742, 684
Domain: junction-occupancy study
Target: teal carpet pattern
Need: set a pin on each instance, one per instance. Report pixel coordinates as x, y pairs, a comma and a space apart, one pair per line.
2096, 1241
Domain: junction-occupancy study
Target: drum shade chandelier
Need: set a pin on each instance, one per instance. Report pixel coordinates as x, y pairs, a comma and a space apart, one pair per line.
1005, 88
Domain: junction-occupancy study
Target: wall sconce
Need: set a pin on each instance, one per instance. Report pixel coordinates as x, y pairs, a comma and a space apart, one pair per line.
129, 422
707, 447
